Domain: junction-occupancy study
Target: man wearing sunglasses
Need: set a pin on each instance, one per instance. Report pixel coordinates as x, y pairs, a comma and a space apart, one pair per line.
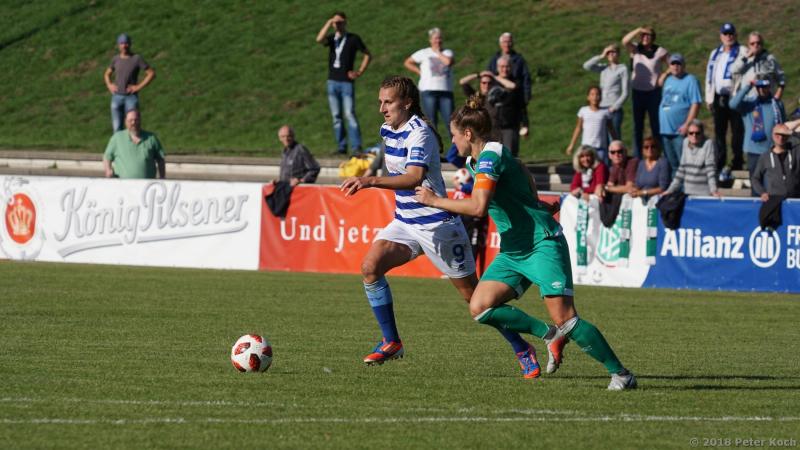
757, 61
719, 90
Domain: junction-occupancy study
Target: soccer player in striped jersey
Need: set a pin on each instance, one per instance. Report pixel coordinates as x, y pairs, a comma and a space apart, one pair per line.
532, 248
412, 160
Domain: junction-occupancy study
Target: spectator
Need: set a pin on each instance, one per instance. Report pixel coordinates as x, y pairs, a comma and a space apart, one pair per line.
342, 49
503, 101
622, 174
519, 73
613, 83
134, 153
680, 103
760, 115
719, 89
595, 124
125, 89
755, 62
590, 174
297, 163
653, 173
433, 65
647, 58
777, 172
696, 171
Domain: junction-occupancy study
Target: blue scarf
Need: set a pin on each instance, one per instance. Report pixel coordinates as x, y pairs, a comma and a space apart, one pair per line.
759, 134
731, 58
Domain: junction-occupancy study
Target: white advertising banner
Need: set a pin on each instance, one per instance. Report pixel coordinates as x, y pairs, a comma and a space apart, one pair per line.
605, 263
134, 222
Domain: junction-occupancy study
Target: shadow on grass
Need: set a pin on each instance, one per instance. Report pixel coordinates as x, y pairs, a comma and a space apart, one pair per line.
50, 23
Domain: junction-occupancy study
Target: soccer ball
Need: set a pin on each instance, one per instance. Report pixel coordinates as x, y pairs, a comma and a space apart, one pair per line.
461, 176
251, 353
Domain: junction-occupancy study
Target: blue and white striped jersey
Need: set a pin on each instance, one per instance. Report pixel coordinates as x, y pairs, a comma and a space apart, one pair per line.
414, 144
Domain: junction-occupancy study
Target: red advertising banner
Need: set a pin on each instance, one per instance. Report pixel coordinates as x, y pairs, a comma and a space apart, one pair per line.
326, 232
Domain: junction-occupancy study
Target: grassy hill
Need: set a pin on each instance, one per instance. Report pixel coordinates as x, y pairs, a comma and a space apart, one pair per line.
230, 73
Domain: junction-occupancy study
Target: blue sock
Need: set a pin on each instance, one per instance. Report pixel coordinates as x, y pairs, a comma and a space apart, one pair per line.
380, 299
517, 343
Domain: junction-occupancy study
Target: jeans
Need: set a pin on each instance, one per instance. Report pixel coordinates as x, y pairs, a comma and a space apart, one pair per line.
645, 102
440, 102
120, 105
342, 100
616, 124
673, 147
724, 115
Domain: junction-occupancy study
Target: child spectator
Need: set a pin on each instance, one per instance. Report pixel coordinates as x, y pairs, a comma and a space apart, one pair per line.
595, 124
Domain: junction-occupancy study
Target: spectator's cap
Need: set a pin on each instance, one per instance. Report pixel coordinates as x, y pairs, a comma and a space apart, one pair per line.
727, 28
676, 58
124, 39
762, 83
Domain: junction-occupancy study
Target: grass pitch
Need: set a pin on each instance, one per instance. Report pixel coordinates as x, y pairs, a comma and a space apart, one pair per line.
100, 357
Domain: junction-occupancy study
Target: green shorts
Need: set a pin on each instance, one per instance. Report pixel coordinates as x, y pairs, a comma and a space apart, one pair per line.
547, 266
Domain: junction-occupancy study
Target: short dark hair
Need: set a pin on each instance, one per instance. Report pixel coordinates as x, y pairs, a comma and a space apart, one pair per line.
340, 13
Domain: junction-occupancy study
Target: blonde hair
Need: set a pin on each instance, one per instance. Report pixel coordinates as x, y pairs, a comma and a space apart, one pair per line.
473, 115
576, 158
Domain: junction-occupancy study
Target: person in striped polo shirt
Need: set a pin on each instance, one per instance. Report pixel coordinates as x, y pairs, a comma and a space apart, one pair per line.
412, 160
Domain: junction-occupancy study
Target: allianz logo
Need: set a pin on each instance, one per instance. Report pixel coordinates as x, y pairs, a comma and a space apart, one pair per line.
763, 246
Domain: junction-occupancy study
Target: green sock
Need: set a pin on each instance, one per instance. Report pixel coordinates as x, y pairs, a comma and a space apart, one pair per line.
592, 342
507, 317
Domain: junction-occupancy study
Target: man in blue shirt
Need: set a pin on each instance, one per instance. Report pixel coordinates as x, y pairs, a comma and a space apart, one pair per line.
680, 103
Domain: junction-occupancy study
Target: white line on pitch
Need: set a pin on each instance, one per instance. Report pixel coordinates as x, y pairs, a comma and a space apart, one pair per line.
372, 420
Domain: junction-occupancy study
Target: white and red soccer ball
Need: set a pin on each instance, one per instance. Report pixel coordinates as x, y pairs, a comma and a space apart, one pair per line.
251, 353
461, 176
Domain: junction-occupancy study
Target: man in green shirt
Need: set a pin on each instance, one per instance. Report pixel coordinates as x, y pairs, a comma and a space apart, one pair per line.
133, 152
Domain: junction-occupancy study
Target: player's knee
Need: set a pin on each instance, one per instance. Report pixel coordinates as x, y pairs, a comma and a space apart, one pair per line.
477, 307
369, 270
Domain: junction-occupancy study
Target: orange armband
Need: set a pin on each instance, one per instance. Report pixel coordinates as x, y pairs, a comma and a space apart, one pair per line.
482, 181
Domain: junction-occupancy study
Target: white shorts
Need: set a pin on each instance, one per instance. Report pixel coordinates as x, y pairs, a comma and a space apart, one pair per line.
447, 245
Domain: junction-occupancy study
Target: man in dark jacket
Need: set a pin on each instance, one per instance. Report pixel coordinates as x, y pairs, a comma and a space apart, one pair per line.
777, 171
297, 163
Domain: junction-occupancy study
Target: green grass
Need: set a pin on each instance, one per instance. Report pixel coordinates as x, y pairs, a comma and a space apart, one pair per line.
230, 73
122, 357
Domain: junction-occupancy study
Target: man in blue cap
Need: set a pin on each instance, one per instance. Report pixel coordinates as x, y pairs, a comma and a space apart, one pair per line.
124, 89
719, 89
760, 114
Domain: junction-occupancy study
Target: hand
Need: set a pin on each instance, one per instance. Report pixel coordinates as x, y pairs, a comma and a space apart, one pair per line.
611, 109
353, 184
112, 88
523, 131
132, 89
352, 74
635, 193
424, 195
569, 150
764, 197
683, 130
294, 182
486, 73
717, 194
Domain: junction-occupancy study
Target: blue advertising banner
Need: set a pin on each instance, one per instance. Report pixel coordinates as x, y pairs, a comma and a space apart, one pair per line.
720, 246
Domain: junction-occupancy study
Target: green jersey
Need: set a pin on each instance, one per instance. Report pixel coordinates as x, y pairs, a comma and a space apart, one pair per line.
521, 220
132, 160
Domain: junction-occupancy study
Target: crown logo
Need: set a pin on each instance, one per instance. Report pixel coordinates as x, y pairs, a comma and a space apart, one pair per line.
20, 218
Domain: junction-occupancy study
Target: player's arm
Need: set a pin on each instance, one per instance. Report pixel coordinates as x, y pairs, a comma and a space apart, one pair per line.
476, 206
407, 181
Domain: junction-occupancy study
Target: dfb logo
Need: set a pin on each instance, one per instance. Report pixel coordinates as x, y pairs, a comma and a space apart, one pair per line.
765, 247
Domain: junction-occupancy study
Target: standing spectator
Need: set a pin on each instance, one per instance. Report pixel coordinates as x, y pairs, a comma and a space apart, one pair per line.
590, 173
496, 92
343, 47
760, 115
755, 62
433, 65
719, 90
777, 172
647, 58
595, 124
653, 174
134, 153
297, 163
613, 83
696, 170
622, 174
519, 73
680, 103
125, 88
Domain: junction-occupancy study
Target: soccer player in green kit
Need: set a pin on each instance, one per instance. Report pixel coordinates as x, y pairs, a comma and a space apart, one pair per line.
533, 249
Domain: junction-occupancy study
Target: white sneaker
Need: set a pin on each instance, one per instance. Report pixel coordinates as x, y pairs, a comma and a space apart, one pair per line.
622, 382
555, 355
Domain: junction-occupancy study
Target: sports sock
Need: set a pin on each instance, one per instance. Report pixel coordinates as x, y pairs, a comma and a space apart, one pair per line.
509, 318
517, 343
380, 299
592, 342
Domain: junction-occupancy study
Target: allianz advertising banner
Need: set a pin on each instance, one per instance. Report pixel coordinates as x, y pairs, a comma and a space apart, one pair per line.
719, 246
136, 222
